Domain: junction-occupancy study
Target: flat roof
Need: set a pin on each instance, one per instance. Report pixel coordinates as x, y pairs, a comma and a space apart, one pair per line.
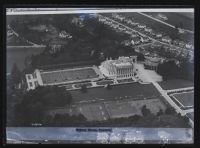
122, 64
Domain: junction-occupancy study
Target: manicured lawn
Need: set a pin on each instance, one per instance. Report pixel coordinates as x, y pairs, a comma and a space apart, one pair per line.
175, 84
134, 90
68, 75
186, 99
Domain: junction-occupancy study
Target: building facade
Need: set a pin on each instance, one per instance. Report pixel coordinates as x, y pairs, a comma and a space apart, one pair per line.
151, 62
33, 80
121, 68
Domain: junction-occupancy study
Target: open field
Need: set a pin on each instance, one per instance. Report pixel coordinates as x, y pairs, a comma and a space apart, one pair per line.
133, 107
186, 99
176, 19
94, 111
122, 91
175, 84
16, 41
112, 109
68, 75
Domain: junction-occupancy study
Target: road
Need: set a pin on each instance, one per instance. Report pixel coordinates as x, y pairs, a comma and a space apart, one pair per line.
34, 46
180, 89
185, 30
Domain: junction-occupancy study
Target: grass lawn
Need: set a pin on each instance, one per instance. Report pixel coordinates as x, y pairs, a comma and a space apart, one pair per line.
175, 84
186, 99
134, 90
133, 107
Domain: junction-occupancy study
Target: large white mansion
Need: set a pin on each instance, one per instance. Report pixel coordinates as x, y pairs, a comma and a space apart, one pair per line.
123, 67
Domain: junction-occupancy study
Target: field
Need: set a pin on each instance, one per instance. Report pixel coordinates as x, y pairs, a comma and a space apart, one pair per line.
185, 99
186, 19
175, 84
95, 111
133, 107
16, 41
113, 109
122, 91
68, 75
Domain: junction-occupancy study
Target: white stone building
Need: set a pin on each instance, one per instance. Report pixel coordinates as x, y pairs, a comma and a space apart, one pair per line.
152, 62
33, 80
121, 68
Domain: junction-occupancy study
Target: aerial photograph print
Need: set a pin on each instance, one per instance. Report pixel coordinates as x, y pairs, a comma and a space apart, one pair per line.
99, 75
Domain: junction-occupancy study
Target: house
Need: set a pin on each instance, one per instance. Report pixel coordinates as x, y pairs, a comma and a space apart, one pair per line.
148, 29
56, 45
134, 23
175, 42
64, 34
153, 33
144, 39
136, 40
158, 35
126, 43
141, 26
167, 39
181, 44
10, 33
162, 17
77, 22
189, 46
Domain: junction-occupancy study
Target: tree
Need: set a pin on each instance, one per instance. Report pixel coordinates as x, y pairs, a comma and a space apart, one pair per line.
145, 111
160, 112
169, 70
140, 57
83, 88
170, 111
32, 107
15, 76
109, 87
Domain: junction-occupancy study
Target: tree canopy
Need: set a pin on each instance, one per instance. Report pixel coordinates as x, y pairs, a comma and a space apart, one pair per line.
31, 108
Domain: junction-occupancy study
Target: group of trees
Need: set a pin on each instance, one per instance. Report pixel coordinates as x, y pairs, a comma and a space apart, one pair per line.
34, 103
15, 77
170, 70
60, 120
94, 36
